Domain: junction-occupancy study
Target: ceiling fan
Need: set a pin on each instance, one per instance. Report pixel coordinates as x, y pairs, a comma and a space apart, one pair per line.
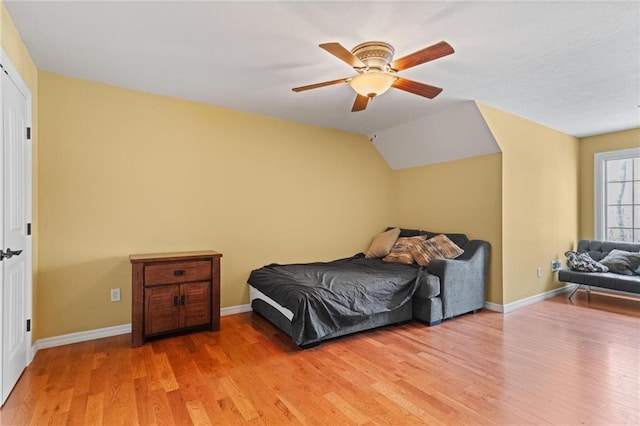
377, 72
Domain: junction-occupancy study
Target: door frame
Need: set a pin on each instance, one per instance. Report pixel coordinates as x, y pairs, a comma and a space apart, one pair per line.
16, 78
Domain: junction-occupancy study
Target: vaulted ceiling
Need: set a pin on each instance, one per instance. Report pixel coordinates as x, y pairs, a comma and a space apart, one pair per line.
572, 66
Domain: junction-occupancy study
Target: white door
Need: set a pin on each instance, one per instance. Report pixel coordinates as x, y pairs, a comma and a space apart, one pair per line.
14, 242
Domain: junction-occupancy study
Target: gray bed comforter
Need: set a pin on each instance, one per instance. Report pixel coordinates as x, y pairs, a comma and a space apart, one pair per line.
325, 296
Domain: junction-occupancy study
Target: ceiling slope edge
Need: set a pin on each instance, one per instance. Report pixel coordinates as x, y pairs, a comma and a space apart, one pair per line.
454, 133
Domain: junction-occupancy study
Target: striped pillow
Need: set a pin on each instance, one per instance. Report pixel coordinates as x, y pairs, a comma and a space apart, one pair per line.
438, 247
401, 251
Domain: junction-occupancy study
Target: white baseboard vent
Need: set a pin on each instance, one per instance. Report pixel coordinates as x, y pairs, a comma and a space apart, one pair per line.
518, 304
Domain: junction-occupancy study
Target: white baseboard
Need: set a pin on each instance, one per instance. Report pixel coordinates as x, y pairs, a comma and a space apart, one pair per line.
509, 307
495, 307
238, 309
613, 292
116, 330
81, 336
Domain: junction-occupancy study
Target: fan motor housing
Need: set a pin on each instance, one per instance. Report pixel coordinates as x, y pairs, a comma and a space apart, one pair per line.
375, 54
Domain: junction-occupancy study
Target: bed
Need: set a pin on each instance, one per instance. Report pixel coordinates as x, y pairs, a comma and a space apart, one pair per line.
317, 301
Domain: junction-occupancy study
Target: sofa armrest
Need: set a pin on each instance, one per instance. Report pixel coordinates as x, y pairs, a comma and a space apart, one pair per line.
463, 280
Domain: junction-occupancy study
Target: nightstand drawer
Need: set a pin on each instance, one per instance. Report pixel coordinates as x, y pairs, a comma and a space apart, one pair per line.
177, 272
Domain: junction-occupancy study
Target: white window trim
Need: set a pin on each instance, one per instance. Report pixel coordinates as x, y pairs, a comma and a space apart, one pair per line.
599, 159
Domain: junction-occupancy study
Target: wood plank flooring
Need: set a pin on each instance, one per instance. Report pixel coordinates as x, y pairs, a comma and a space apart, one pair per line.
555, 362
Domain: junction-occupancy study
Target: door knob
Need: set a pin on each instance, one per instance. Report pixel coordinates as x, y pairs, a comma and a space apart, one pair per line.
9, 253
13, 252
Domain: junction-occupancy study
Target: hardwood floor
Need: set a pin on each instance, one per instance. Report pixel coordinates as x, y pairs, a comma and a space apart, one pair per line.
555, 362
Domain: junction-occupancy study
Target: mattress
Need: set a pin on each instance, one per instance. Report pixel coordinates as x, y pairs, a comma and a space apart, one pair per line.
255, 294
315, 301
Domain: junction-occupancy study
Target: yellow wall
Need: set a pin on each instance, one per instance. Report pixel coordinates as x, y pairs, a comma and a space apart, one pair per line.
462, 196
15, 49
588, 147
126, 172
539, 201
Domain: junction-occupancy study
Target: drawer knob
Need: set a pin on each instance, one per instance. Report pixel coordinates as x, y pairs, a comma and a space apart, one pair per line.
179, 272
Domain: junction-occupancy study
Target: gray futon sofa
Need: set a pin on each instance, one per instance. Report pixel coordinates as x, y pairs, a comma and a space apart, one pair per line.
598, 250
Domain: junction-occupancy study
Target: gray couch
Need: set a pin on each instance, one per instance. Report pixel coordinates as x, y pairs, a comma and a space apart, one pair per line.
452, 287
597, 250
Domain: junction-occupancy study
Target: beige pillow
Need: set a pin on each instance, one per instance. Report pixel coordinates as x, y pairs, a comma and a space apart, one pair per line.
383, 243
438, 247
401, 251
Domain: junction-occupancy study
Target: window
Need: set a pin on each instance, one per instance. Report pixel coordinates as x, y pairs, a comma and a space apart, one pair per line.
617, 195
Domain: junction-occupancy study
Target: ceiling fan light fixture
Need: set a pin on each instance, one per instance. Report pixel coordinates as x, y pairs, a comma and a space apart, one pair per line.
372, 84
377, 71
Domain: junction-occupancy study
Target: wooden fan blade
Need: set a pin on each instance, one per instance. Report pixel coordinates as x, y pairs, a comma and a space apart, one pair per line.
416, 88
360, 104
324, 83
427, 54
337, 50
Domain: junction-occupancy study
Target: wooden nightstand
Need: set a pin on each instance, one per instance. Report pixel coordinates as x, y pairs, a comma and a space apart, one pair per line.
174, 292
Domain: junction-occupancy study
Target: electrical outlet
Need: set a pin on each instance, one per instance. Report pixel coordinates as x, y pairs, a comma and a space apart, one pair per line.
115, 294
556, 265
539, 272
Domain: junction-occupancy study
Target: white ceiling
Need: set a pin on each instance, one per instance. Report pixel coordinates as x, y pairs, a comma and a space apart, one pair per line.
572, 66
436, 138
